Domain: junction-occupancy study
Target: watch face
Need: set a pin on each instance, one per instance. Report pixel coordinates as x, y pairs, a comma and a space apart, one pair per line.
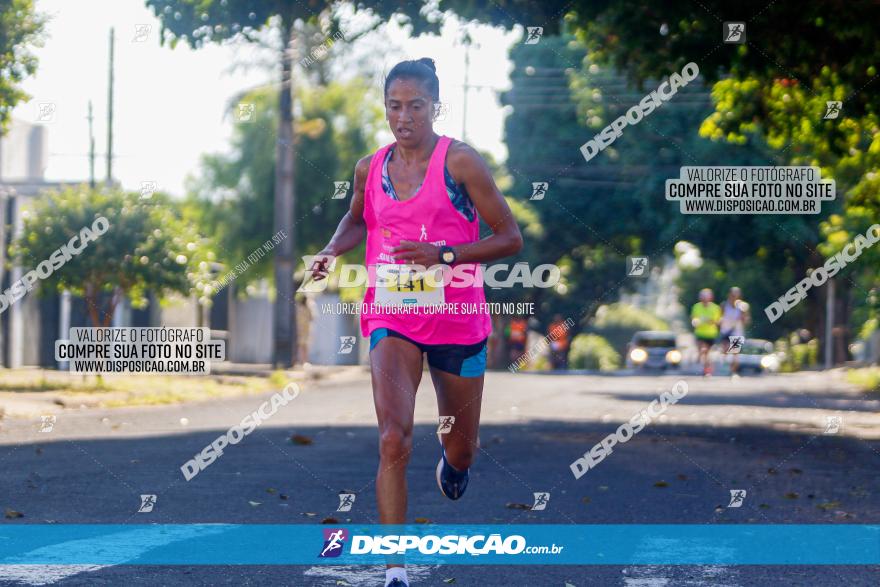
448, 256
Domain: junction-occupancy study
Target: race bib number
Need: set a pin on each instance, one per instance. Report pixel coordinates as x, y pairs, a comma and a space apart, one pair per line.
402, 285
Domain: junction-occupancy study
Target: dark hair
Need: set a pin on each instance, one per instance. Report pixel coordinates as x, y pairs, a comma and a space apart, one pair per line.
422, 70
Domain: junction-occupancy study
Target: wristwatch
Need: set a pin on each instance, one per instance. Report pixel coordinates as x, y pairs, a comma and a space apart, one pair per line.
447, 255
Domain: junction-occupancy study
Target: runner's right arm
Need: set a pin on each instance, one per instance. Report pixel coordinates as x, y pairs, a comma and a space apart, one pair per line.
352, 229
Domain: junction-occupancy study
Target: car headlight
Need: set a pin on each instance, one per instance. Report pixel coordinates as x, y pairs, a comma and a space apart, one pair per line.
638, 355
769, 362
674, 356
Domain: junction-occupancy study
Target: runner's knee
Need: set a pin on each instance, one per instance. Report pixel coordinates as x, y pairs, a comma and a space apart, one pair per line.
395, 446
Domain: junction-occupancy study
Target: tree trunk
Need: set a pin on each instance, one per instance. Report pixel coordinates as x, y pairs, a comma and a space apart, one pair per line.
91, 298
284, 327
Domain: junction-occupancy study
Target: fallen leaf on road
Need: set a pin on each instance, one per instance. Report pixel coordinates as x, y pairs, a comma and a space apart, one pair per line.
254, 503
828, 505
585, 500
342, 582
791, 495
270, 490
661, 484
518, 506
449, 580
10, 514
300, 439
329, 521
423, 521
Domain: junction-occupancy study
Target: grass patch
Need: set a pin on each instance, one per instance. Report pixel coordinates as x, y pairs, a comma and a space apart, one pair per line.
867, 378
117, 390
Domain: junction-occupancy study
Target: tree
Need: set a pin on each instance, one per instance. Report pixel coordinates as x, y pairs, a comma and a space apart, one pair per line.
198, 22
772, 91
20, 27
337, 124
146, 248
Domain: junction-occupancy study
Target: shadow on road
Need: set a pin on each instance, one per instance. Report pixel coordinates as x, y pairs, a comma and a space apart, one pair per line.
665, 474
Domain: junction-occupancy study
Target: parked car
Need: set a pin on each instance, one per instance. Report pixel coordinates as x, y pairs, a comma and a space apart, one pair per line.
759, 356
653, 349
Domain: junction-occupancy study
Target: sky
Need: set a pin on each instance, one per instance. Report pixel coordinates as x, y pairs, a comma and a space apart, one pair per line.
171, 106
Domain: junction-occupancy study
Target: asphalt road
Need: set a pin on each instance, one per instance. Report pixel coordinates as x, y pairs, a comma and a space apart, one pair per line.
765, 435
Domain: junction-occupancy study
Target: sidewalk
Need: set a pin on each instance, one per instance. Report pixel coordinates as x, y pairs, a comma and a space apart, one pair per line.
30, 393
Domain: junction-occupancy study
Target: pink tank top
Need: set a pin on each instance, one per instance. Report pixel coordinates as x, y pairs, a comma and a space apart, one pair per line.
428, 216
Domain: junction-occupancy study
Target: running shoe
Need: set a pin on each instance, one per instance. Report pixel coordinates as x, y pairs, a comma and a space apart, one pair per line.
451, 482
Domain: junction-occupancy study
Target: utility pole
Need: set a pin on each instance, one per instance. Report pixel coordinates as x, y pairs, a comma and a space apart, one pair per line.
467, 41
829, 325
91, 149
110, 115
284, 342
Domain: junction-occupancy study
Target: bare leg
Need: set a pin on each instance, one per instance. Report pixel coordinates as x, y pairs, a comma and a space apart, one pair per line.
396, 373
461, 397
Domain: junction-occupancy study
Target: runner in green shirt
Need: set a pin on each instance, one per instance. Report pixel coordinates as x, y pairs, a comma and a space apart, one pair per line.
705, 318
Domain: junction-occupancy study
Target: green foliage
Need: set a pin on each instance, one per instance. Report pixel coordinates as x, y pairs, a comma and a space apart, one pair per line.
20, 28
235, 194
770, 91
590, 351
868, 379
147, 249
618, 322
200, 22
798, 355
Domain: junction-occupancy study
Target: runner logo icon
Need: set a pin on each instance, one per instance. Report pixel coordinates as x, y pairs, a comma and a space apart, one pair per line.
735, 32
334, 540
445, 425
148, 501
735, 344
346, 500
736, 498
541, 499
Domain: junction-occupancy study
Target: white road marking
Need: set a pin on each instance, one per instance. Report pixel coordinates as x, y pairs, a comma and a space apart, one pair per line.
116, 548
684, 575
367, 575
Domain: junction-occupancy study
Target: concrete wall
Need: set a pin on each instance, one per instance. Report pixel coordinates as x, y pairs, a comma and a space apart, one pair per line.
327, 330
250, 327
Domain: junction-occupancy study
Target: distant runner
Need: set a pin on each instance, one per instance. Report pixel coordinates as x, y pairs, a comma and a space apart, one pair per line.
734, 319
705, 317
517, 333
558, 335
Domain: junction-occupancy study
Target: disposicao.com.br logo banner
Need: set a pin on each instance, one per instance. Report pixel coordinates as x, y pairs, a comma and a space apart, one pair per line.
516, 544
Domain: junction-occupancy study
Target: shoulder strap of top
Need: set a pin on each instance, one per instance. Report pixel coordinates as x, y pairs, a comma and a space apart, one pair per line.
438, 159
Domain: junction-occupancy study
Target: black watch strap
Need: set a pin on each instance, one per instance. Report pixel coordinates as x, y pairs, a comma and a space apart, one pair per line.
447, 255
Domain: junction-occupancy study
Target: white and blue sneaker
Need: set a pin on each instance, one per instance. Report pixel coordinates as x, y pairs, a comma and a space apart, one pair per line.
397, 583
450, 480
